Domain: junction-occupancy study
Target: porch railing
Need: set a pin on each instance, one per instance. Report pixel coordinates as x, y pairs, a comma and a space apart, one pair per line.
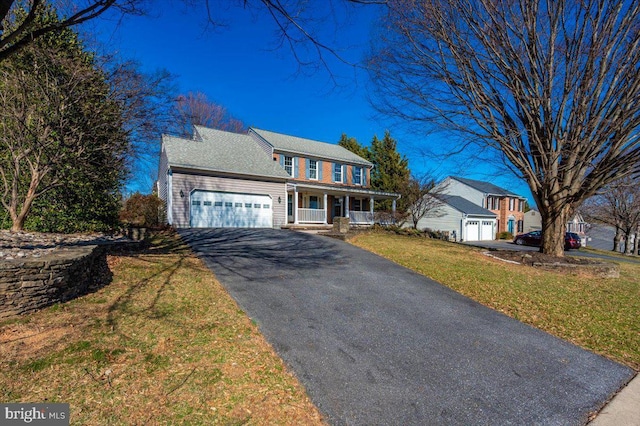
360, 217
311, 216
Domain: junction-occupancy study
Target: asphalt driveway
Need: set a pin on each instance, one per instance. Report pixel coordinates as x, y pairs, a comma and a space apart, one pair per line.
377, 344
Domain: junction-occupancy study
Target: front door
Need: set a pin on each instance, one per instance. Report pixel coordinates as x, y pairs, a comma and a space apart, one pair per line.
337, 207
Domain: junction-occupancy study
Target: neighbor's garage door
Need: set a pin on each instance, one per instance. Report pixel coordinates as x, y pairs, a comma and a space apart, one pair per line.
486, 232
473, 230
230, 210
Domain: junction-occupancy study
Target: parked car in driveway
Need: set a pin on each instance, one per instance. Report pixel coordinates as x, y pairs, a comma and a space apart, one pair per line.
571, 239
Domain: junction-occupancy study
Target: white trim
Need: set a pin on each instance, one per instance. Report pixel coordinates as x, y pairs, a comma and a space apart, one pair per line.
169, 197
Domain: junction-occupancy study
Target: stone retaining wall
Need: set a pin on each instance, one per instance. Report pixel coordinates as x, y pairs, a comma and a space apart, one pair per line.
27, 285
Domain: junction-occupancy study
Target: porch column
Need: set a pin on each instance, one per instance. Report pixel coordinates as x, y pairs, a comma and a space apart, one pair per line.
346, 206
393, 210
295, 205
326, 210
371, 210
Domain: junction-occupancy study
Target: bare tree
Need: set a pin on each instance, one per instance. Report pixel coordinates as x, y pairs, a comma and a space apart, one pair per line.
17, 30
550, 87
422, 195
618, 205
196, 109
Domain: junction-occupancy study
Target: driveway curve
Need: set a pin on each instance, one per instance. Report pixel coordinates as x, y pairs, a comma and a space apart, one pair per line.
377, 344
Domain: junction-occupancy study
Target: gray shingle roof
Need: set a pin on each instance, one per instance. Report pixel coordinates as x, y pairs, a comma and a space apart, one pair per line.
308, 147
223, 152
465, 206
486, 187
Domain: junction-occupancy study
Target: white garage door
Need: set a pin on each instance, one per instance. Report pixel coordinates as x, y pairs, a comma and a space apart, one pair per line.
230, 210
473, 230
486, 231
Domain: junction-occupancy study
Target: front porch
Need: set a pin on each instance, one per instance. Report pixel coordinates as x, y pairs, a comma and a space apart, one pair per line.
309, 205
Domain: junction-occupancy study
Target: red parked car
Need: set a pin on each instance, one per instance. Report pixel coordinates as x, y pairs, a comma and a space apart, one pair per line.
571, 239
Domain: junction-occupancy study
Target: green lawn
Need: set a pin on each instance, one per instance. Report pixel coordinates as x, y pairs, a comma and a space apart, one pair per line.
162, 344
602, 315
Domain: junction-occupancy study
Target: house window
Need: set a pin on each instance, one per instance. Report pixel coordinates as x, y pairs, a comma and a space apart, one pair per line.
195, 203
217, 204
521, 205
288, 165
357, 175
357, 205
520, 225
247, 205
228, 204
257, 206
238, 205
337, 172
290, 204
512, 206
313, 169
207, 203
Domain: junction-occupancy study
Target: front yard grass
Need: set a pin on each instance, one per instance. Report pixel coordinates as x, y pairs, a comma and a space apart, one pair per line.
598, 314
162, 344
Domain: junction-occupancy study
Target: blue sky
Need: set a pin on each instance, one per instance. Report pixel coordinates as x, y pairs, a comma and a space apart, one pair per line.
241, 67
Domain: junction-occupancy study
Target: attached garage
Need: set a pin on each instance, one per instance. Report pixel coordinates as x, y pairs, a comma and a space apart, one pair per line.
473, 230
486, 230
211, 209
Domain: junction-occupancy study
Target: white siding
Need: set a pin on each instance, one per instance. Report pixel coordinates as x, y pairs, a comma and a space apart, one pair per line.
454, 187
189, 182
266, 147
446, 219
532, 221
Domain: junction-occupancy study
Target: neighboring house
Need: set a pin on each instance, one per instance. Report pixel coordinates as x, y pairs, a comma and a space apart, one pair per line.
262, 179
507, 206
533, 222
462, 219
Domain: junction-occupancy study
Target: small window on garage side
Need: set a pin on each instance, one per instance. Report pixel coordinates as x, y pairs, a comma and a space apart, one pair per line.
228, 204
195, 202
238, 205
217, 204
247, 205
266, 206
207, 203
256, 206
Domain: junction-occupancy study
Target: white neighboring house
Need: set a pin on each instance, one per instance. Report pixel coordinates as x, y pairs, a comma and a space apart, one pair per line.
464, 220
533, 222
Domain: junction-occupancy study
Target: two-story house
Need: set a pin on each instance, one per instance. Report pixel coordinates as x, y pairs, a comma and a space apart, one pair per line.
508, 207
262, 179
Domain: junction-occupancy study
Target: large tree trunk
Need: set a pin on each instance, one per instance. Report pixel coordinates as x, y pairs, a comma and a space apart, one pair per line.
553, 229
616, 240
628, 244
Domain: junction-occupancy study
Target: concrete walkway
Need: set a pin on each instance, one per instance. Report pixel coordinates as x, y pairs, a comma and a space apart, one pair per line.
624, 408
375, 343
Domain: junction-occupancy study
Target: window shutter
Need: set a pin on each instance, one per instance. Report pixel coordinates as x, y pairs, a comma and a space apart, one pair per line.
319, 166
353, 174
281, 160
296, 167
306, 168
344, 173
364, 176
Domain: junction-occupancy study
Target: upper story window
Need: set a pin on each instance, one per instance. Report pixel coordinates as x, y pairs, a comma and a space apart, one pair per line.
520, 205
313, 169
337, 172
512, 204
288, 165
493, 203
357, 175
